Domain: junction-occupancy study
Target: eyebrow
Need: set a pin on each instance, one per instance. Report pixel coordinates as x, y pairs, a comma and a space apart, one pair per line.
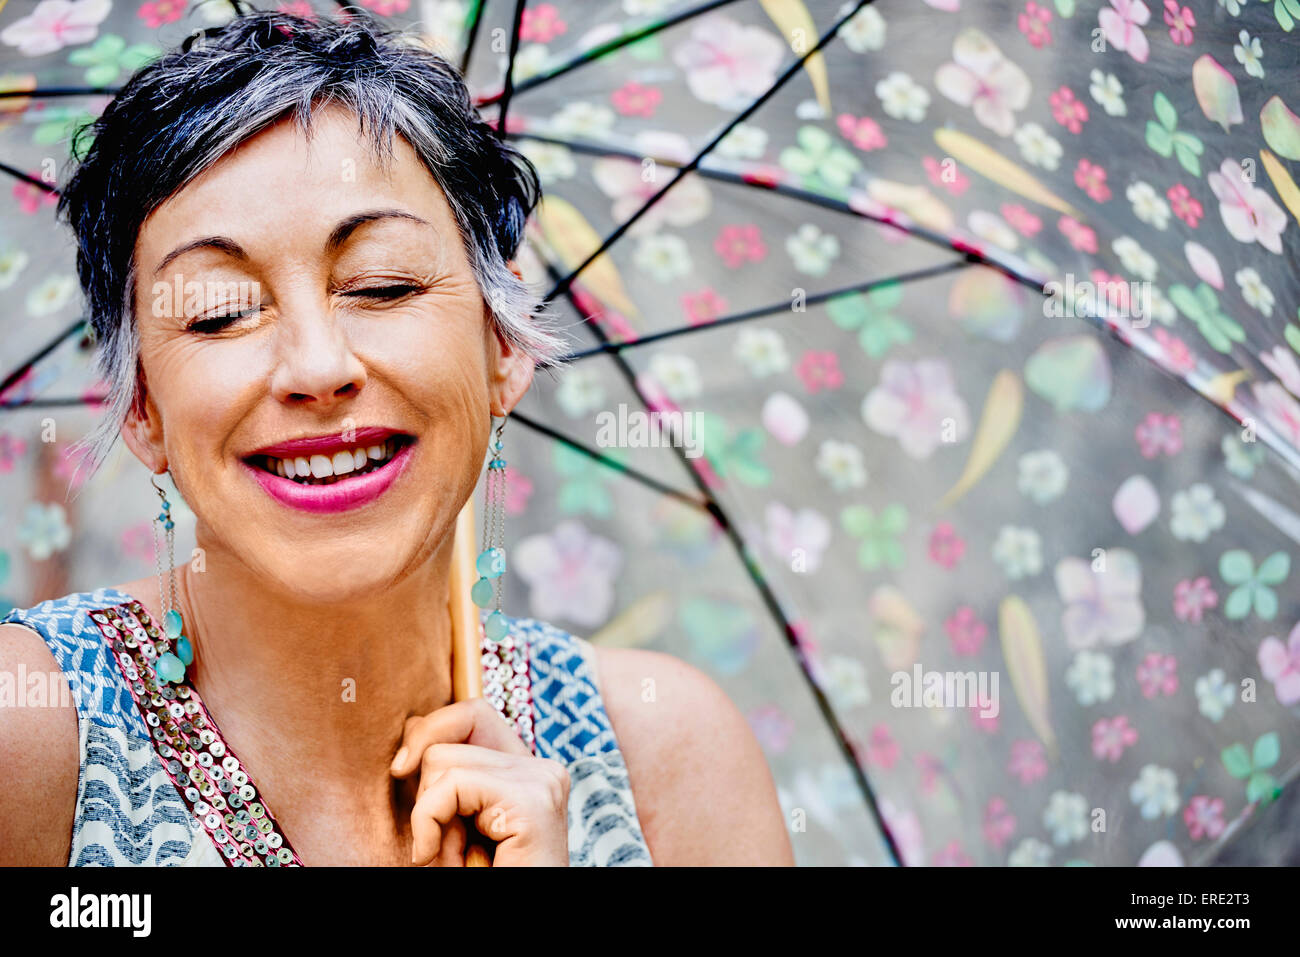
338, 236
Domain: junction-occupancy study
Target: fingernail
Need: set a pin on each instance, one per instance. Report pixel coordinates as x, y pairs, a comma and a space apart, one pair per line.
400, 759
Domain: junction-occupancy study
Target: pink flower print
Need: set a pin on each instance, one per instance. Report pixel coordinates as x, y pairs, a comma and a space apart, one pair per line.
31, 197
158, 12
137, 541
519, 489
1249, 212
1178, 355
946, 546
1121, 23
951, 856
1279, 408
1280, 664
930, 767
633, 99
819, 370
1032, 22
917, 403
11, 450
862, 131
984, 716
1159, 433
570, 573
999, 822
772, 727
54, 25
1068, 110
1027, 762
738, 245
1192, 597
726, 61
1110, 738
1021, 219
1157, 674
955, 182
981, 77
1081, 237
1204, 817
1180, 20
299, 8
66, 466
882, 749
541, 24
966, 631
1091, 178
621, 180
703, 306
1185, 206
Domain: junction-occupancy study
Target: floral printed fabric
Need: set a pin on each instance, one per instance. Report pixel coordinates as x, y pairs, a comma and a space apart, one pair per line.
948, 474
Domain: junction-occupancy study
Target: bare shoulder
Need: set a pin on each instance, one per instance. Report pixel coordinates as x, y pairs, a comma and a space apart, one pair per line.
39, 761
702, 787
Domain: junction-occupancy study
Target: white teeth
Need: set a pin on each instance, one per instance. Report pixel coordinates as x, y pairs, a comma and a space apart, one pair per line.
323, 467
342, 463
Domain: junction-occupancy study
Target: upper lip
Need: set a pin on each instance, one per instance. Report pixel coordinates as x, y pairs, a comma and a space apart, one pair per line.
334, 442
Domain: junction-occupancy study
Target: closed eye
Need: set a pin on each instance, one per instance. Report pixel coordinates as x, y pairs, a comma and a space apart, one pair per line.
396, 291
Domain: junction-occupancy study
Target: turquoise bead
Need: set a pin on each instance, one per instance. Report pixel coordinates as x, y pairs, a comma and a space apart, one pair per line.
184, 652
170, 668
169, 524
497, 627
481, 593
172, 624
492, 563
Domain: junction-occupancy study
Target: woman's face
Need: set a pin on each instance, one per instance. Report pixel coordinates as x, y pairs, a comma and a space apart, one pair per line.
295, 291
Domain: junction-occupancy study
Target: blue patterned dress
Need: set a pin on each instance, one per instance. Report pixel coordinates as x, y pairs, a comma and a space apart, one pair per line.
129, 811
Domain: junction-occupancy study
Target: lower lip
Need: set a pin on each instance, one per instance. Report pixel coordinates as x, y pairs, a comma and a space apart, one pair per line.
340, 496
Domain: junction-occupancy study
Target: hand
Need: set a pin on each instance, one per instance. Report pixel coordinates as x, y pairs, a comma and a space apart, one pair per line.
473, 765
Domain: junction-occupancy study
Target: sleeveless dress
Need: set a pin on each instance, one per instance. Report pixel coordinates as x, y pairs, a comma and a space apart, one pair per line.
134, 802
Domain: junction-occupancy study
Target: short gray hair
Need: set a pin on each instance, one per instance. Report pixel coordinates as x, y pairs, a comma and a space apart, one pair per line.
181, 113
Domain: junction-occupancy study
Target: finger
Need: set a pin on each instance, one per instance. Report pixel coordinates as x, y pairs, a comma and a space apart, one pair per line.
466, 792
455, 838
470, 722
438, 758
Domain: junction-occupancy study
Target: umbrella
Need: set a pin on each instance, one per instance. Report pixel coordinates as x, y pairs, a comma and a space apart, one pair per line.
970, 335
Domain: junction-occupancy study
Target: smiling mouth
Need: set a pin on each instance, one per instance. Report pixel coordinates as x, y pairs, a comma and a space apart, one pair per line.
339, 466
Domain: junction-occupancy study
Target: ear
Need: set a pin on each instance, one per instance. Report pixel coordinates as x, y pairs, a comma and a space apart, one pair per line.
510, 371
142, 431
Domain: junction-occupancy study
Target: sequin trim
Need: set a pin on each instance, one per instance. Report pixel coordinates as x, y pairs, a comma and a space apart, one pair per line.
206, 773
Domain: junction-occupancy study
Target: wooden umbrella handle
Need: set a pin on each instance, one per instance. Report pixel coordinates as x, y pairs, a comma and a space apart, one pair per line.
466, 667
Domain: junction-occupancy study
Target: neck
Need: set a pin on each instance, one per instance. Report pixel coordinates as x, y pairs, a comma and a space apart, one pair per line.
314, 697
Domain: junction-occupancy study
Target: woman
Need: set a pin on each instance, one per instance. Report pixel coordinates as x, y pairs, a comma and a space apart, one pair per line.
349, 223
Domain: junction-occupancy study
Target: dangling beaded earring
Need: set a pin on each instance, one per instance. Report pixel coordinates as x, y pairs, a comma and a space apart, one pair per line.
171, 664
491, 562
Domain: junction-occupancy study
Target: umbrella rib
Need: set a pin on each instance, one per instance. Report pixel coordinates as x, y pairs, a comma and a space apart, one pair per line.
768, 596
472, 36
22, 370
608, 47
695, 161
642, 477
509, 90
757, 313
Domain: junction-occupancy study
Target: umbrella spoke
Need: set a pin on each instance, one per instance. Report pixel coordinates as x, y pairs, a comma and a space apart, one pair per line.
472, 36
604, 49
509, 90
815, 299
695, 161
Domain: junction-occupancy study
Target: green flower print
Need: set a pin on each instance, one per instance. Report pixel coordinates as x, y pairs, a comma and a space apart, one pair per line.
109, 56
1165, 138
879, 533
872, 314
1253, 584
583, 481
1287, 13
1253, 767
734, 457
823, 166
1202, 308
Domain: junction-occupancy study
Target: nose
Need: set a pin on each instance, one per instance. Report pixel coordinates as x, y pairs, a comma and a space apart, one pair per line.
317, 366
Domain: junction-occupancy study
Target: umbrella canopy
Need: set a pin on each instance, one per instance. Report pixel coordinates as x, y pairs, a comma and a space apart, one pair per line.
983, 323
